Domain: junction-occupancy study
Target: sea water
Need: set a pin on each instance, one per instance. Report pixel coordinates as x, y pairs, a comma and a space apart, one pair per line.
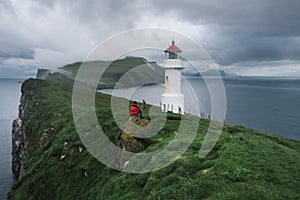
9, 101
271, 105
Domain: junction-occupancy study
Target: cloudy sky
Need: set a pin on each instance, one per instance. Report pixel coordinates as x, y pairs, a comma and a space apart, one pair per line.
258, 37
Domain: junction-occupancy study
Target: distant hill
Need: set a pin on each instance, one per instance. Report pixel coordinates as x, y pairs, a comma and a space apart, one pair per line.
209, 73
135, 70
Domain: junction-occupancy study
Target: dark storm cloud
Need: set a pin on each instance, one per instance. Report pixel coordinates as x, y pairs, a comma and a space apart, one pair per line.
267, 17
246, 30
259, 48
53, 33
118, 13
56, 25
10, 49
16, 54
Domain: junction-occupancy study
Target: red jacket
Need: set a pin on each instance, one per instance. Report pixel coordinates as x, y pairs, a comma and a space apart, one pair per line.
134, 110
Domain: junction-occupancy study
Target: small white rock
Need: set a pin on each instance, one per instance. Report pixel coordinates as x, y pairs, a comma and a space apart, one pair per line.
86, 174
80, 149
126, 163
66, 143
62, 157
18, 143
205, 171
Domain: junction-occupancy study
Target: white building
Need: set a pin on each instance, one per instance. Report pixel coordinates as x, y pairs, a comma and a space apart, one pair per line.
172, 99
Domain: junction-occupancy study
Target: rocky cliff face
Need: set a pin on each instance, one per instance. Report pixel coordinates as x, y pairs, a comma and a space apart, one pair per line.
17, 146
22, 135
42, 73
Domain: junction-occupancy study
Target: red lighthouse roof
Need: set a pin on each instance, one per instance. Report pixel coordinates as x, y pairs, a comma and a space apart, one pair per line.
173, 48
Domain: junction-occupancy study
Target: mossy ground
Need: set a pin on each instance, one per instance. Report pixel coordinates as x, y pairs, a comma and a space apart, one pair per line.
244, 164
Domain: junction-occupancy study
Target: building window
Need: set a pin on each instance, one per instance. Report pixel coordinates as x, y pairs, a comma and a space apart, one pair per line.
167, 78
172, 55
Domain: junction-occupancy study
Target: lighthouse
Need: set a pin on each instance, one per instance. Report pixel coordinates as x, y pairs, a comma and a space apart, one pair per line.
172, 100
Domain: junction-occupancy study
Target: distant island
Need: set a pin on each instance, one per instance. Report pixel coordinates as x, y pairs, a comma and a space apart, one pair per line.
210, 73
149, 72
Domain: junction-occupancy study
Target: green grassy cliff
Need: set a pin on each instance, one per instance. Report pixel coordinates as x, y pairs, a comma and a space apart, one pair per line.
244, 164
135, 70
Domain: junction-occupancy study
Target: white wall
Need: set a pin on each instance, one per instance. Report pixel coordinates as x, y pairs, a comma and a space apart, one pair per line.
172, 100
174, 80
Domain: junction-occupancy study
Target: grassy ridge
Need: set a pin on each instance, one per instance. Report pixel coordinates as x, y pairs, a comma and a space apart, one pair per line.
135, 70
245, 163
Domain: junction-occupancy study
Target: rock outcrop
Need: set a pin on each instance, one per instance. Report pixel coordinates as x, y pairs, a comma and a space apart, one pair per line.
127, 141
17, 146
42, 73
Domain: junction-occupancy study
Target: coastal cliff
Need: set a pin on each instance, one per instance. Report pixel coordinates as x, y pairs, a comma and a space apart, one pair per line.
50, 160
23, 138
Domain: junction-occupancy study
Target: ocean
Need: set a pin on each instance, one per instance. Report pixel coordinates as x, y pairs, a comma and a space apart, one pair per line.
268, 104
10, 91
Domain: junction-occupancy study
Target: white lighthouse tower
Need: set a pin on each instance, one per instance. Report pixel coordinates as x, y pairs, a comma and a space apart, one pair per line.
172, 99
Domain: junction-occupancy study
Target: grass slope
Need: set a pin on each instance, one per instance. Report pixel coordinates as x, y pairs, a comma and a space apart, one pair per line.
245, 163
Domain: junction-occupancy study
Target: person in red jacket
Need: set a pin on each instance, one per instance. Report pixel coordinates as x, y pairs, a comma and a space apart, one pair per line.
135, 110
